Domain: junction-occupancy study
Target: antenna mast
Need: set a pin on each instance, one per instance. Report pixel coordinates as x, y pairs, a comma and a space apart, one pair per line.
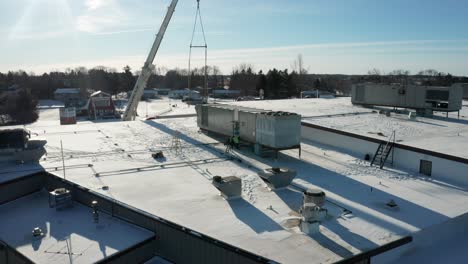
204, 46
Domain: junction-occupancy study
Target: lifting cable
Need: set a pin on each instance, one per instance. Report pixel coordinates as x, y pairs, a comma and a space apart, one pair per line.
205, 46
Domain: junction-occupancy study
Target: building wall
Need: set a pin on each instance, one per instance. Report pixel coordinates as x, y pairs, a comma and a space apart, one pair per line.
9, 255
442, 168
405, 96
424, 239
465, 89
67, 97
14, 189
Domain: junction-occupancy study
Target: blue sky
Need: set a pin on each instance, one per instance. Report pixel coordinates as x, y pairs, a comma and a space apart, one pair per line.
334, 36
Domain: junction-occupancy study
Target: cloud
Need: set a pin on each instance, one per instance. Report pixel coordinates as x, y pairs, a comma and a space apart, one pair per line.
101, 15
347, 58
95, 4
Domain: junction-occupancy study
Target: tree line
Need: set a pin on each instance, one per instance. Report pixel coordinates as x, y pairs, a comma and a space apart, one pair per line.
105, 79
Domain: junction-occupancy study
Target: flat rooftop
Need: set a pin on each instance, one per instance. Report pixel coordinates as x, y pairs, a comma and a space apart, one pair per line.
439, 133
264, 222
68, 233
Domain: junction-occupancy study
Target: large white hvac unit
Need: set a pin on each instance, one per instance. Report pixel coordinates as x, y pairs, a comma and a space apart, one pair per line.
434, 98
275, 130
464, 86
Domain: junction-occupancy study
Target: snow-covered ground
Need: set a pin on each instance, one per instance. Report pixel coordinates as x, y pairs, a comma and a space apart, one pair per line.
262, 221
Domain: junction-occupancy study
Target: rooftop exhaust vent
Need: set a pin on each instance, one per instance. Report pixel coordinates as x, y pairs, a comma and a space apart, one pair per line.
312, 210
60, 198
277, 178
230, 187
315, 196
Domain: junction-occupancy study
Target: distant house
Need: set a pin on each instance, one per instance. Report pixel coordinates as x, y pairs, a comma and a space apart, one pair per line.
100, 106
317, 94
162, 91
150, 94
68, 96
179, 94
225, 93
12, 88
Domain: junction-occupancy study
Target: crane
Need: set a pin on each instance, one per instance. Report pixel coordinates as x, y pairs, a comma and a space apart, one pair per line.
148, 67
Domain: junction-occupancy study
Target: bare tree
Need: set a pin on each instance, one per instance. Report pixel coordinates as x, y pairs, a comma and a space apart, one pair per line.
374, 72
298, 66
399, 72
298, 74
244, 67
429, 72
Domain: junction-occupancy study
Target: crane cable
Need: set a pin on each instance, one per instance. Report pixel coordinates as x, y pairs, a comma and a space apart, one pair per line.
205, 46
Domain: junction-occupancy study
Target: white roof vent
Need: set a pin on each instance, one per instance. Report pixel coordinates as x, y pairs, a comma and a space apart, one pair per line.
312, 210
277, 178
230, 187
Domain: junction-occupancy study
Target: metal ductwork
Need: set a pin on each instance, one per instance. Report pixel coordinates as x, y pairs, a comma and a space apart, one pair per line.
277, 178
230, 187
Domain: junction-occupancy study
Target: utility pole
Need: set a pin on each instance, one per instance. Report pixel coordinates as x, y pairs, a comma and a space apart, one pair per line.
63, 159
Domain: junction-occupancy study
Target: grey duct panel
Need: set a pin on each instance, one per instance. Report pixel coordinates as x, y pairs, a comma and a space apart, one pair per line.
247, 126
437, 95
278, 131
465, 90
360, 93
220, 120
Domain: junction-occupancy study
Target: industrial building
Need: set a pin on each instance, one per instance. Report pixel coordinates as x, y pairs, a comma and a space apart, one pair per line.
317, 94
424, 99
162, 91
329, 205
150, 94
68, 96
180, 94
225, 93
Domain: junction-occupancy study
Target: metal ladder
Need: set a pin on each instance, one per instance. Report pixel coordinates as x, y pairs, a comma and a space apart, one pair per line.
383, 151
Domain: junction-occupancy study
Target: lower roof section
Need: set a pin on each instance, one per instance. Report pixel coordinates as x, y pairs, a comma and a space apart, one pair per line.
68, 234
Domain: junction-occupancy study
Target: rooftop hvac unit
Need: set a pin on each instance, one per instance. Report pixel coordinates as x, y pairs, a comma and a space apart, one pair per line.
277, 178
432, 98
60, 198
230, 187
312, 210
273, 130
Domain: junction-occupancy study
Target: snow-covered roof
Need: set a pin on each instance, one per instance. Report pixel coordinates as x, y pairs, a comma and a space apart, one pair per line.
67, 91
100, 93
69, 229
439, 133
263, 221
150, 91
